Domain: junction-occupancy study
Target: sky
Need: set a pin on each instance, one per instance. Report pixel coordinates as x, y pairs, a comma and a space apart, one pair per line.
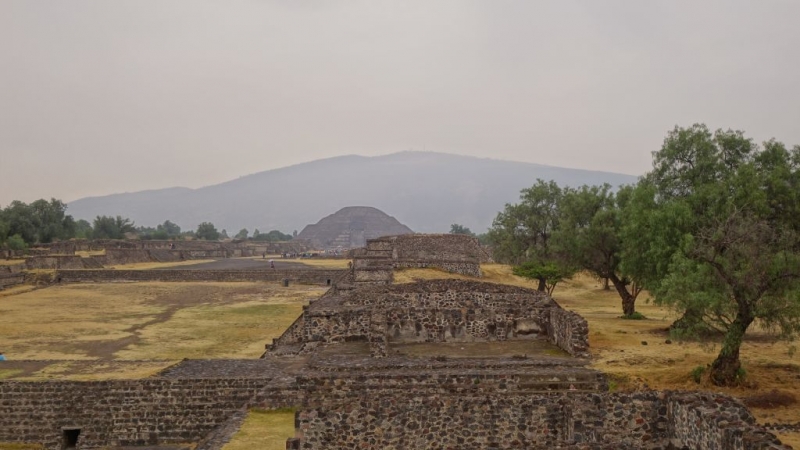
100, 97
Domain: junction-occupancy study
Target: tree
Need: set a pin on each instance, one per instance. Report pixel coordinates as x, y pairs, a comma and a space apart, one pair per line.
207, 231
460, 229
552, 272
589, 236
169, 228
242, 234
272, 236
107, 227
223, 234
717, 225
4, 228
521, 233
42, 221
83, 229
16, 242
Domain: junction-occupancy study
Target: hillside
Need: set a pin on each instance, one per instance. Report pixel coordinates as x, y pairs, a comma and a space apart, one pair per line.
424, 190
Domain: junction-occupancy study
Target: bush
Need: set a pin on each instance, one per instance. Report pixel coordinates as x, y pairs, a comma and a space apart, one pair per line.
16, 242
697, 373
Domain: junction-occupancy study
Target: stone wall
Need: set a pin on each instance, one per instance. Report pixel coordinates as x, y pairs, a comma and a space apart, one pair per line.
305, 276
8, 279
120, 413
54, 262
649, 420
437, 311
433, 408
450, 252
569, 331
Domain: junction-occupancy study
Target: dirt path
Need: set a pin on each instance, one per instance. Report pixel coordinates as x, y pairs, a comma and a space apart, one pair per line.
241, 264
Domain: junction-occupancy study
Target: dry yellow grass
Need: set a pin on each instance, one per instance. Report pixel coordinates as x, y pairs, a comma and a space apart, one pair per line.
18, 289
617, 344
267, 430
12, 262
324, 263
94, 370
144, 321
8, 446
89, 253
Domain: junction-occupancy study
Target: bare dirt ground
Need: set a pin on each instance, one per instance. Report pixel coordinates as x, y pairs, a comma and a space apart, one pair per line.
242, 264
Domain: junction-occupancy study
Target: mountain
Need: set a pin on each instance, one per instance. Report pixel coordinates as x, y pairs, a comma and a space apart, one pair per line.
426, 191
350, 227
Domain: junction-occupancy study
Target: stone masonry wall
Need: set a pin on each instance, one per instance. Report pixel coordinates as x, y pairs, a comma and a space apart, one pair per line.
54, 262
452, 253
708, 421
119, 413
305, 276
649, 420
10, 279
569, 331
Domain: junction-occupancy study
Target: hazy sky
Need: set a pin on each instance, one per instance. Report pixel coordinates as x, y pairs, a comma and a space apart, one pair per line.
98, 97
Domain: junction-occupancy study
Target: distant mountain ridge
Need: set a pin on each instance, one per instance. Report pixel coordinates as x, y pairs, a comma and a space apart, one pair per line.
425, 190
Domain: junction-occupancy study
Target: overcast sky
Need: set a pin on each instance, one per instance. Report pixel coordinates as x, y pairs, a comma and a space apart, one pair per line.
98, 97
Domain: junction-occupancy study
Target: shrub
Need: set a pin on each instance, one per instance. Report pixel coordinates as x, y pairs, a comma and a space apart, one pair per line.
697, 373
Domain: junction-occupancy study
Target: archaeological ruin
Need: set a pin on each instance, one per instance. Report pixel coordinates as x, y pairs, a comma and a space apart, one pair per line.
351, 227
431, 364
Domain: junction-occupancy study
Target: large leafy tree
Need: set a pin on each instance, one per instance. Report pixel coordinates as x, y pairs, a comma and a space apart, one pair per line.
39, 222
107, 227
714, 230
589, 236
521, 233
207, 231
169, 228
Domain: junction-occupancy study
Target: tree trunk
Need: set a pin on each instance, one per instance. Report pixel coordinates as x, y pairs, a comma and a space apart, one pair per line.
606, 287
725, 369
542, 285
628, 300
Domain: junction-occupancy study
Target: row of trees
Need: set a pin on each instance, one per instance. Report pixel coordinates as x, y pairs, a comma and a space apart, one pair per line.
42, 222
713, 230
272, 236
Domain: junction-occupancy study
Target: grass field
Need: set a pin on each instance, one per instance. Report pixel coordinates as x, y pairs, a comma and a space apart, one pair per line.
267, 430
123, 330
115, 330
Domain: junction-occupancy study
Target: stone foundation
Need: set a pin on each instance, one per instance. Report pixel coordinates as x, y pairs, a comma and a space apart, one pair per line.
305, 276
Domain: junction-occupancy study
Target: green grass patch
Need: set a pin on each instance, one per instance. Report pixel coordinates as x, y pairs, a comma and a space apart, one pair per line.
9, 373
16, 446
266, 430
697, 374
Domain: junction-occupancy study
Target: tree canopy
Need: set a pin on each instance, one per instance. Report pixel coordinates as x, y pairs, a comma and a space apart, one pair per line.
207, 231
460, 229
714, 230
521, 234
107, 227
39, 222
